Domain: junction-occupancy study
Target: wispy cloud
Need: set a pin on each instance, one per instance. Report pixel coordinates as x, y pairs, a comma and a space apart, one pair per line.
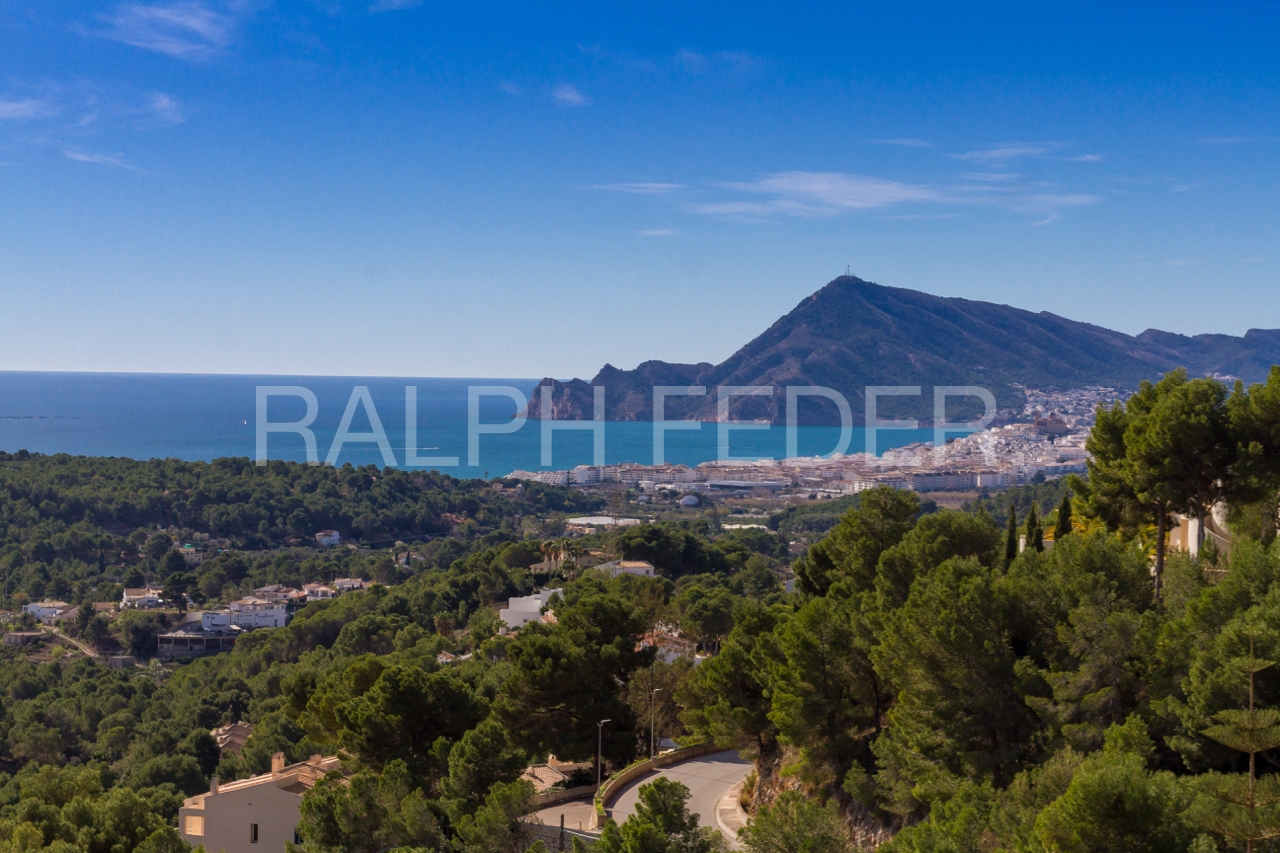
186, 30
511, 88
760, 211
836, 191
1045, 206
393, 5
569, 96
657, 232
740, 60
903, 142
991, 177
26, 108
639, 188
1182, 188
695, 62
1086, 158
112, 161
166, 109
823, 194
1006, 152
692, 61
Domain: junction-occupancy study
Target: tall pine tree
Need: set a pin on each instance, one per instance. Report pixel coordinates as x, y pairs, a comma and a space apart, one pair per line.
1242, 806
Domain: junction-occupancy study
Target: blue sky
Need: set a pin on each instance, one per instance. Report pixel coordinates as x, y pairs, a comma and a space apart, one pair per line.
480, 189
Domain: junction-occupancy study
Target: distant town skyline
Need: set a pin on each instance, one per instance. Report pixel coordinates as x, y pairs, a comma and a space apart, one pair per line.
404, 188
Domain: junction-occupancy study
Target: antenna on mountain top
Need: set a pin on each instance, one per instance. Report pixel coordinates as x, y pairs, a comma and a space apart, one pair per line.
846, 269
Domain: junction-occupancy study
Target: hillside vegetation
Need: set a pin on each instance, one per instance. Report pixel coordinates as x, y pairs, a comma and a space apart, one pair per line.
929, 686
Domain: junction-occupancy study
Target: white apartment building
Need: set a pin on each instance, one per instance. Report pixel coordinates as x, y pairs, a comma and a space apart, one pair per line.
250, 612
255, 815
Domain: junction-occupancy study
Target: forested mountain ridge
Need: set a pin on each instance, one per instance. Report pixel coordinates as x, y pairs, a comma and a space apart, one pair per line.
854, 333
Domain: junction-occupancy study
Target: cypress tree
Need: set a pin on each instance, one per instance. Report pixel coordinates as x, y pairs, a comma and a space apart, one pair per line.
1011, 536
1035, 535
1064, 519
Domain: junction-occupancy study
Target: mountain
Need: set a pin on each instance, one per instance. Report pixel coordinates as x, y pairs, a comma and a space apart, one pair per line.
853, 333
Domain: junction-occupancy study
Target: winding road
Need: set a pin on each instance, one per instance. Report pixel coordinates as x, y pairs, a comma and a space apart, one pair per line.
708, 778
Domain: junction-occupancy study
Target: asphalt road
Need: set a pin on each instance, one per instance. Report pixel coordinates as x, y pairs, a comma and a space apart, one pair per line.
577, 814
708, 779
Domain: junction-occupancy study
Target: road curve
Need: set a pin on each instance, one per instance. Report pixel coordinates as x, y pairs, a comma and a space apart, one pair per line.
708, 778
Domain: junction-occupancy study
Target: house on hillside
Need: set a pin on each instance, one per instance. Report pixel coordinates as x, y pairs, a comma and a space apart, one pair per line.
328, 539
212, 635
544, 777
255, 815
318, 592
280, 592
628, 567
348, 584
669, 646
41, 609
144, 597
523, 609
62, 617
1185, 533
252, 612
232, 737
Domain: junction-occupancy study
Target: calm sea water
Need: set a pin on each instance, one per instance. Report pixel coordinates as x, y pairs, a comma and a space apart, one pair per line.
203, 417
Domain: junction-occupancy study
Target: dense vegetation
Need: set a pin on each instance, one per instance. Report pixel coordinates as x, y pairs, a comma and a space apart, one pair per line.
925, 688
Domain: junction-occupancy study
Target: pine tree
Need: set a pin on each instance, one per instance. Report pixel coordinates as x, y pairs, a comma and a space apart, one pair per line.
1064, 519
1011, 536
1035, 535
1240, 806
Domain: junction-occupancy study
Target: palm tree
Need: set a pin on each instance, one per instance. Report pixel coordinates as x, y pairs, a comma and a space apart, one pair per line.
572, 551
1086, 523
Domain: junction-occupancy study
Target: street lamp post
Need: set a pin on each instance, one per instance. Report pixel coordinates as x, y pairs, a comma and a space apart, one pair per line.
653, 695
600, 750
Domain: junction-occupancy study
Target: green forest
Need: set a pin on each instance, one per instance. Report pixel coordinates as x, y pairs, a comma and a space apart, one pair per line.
1038, 672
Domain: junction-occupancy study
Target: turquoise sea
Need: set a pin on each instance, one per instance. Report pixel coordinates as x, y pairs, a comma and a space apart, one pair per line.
202, 417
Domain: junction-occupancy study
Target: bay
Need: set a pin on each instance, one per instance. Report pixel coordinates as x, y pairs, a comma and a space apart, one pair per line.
204, 417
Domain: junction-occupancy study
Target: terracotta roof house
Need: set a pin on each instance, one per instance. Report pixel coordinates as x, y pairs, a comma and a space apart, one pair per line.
232, 737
